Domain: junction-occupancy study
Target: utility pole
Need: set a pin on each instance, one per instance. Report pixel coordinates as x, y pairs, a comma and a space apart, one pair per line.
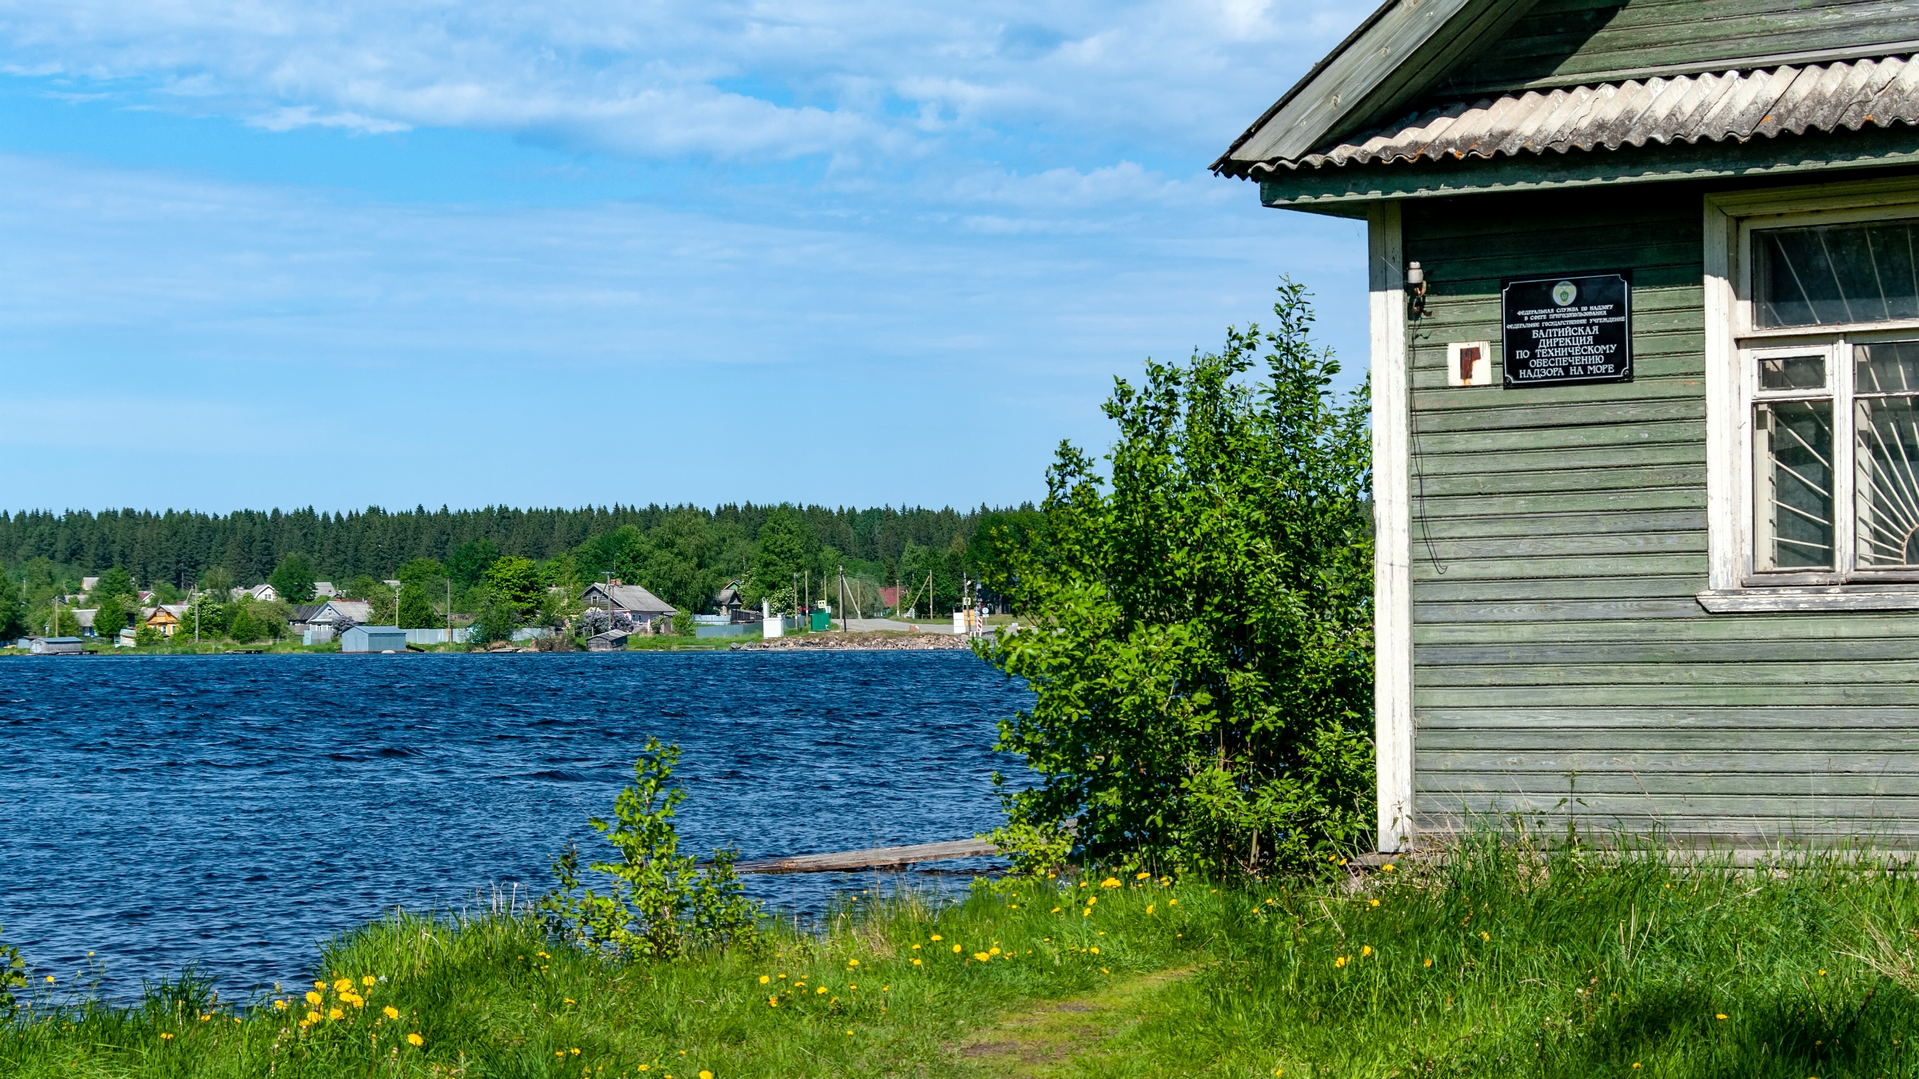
845, 626
449, 611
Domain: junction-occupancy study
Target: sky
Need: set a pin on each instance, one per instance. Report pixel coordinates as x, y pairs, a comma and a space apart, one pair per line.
264, 253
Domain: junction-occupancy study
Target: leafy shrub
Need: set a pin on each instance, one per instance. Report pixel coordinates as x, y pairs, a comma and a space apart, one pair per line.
148, 637
1200, 620
659, 903
246, 625
13, 980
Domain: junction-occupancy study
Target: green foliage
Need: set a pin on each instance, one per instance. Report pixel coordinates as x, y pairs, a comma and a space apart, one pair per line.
246, 626
1201, 622
66, 623
146, 636
112, 613
469, 562
422, 572
13, 981
416, 611
13, 609
784, 546
659, 903
213, 618
516, 582
683, 624
292, 579
114, 582
217, 581
494, 621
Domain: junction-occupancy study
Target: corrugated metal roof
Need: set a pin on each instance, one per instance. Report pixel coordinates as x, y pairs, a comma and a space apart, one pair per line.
1735, 106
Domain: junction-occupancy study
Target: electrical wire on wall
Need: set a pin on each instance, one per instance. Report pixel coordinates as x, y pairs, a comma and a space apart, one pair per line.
1415, 314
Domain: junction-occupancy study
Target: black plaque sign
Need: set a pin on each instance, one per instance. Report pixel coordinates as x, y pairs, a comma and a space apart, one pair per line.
1572, 328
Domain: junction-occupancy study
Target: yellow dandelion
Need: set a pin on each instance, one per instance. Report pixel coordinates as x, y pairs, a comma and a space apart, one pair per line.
704, 1074
764, 979
916, 961
956, 949
1340, 962
576, 1052
852, 962
981, 956
936, 936
1365, 950
1055, 910
313, 998
280, 1004
344, 985
1109, 882
992, 951
313, 1017
820, 990
1720, 1016
772, 1002
335, 1014
1094, 950
1429, 961
165, 1037
916, 947
1142, 876
1172, 902
391, 1012
1488, 936
1388, 867
369, 981
1103, 970
1149, 908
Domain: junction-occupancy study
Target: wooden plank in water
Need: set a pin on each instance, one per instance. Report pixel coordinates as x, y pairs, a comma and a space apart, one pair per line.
876, 858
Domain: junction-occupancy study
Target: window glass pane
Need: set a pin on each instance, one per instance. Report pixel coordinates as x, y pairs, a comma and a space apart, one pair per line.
1886, 367
1887, 485
1792, 479
1793, 372
1863, 272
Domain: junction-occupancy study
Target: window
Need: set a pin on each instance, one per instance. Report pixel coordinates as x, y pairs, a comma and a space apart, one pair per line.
1826, 343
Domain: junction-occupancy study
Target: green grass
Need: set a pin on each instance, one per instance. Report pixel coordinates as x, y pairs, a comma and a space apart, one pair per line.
1498, 962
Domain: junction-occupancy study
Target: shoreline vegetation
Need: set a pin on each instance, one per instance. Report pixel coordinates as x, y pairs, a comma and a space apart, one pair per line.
1502, 959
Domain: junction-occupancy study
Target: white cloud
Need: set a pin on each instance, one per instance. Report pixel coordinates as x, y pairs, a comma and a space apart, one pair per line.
286, 119
725, 79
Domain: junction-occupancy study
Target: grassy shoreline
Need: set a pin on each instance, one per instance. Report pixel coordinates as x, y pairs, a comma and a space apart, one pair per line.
1493, 964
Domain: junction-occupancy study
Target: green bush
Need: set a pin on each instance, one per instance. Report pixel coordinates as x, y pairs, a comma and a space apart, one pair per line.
660, 903
148, 637
1200, 637
246, 627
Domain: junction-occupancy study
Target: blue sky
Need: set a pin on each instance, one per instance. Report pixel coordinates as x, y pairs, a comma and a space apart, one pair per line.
265, 253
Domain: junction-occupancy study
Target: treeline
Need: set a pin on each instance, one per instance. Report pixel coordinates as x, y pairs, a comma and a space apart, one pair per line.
683, 553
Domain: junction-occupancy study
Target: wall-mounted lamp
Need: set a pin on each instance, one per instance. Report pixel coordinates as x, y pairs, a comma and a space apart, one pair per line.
1416, 283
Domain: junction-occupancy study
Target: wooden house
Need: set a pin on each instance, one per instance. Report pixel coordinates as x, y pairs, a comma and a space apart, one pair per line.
1645, 378
634, 609
166, 617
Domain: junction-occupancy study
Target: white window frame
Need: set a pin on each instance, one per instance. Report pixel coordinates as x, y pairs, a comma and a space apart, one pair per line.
1734, 344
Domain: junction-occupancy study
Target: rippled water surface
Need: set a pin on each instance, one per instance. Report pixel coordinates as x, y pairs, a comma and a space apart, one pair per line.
232, 811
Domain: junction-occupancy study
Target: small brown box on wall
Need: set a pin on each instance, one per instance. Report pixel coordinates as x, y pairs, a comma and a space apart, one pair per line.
1469, 363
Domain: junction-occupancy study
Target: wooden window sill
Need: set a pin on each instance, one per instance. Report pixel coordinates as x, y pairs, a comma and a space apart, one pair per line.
1829, 598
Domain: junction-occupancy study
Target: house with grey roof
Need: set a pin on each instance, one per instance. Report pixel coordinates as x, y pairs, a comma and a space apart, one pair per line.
633, 608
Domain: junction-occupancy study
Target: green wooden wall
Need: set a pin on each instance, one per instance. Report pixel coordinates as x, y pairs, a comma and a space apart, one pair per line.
1559, 539
1560, 42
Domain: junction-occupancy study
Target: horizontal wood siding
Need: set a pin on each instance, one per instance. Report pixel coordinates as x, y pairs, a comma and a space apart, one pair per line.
1561, 660
1562, 42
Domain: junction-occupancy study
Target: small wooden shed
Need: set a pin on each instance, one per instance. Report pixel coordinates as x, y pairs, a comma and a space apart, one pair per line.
1645, 377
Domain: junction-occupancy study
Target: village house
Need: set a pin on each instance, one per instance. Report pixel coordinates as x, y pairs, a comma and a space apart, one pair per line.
167, 617
335, 615
633, 608
260, 592
1645, 377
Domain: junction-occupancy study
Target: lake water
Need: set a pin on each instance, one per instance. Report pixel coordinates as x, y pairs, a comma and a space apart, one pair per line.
232, 811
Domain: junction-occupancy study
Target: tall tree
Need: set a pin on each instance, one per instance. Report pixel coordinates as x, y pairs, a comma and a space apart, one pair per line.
784, 544
1202, 616
292, 579
517, 583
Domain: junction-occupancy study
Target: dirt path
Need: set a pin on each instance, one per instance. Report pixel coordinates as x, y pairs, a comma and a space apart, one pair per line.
1047, 1040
